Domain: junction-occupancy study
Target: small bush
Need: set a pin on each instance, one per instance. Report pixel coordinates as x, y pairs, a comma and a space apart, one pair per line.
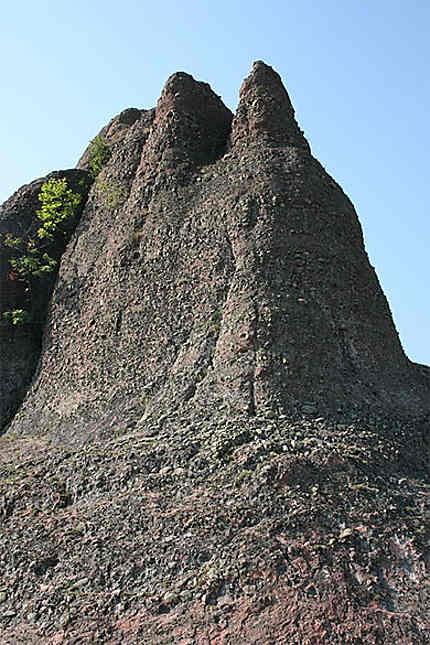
16, 316
112, 192
59, 204
30, 257
99, 154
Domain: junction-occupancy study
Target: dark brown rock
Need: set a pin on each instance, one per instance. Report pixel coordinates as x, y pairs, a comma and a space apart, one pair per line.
116, 130
265, 113
196, 281
20, 346
232, 445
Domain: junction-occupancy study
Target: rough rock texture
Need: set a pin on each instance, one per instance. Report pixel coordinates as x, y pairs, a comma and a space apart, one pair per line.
212, 268
226, 531
224, 441
20, 346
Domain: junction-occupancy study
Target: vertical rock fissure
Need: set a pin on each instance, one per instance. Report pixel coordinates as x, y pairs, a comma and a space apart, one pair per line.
252, 403
118, 322
208, 356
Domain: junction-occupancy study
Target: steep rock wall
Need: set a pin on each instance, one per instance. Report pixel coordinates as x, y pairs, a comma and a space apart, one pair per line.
265, 470
20, 345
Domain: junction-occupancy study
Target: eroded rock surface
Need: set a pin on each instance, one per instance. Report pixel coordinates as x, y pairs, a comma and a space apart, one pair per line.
216, 263
224, 442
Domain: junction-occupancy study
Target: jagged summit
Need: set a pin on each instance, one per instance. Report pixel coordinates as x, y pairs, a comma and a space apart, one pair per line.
190, 129
265, 111
215, 435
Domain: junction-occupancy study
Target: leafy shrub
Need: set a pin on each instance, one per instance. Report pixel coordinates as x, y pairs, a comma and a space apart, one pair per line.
112, 192
59, 204
16, 316
99, 154
30, 258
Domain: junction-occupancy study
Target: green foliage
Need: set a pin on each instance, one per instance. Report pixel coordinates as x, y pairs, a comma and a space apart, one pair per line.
112, 192
59, 204
30, 259
12, 242
34, 264
99, 154
216, 322
16, 316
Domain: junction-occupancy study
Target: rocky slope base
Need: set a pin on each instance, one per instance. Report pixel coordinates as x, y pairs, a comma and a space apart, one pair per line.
218, 438
222, 531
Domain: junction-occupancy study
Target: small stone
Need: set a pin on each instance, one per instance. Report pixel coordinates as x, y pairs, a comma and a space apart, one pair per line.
308, 408
345, 533
169, 598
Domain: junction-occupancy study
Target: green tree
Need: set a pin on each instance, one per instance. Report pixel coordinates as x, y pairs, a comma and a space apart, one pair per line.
59, 204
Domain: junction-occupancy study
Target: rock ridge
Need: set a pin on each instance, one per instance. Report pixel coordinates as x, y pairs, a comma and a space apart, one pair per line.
265, 111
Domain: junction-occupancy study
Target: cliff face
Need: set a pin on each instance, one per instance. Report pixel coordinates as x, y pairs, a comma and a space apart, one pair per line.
20, 345
216, 264
223, 440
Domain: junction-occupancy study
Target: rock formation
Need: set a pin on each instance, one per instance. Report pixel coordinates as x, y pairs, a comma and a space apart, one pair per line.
226, 254
20, 345
216, 315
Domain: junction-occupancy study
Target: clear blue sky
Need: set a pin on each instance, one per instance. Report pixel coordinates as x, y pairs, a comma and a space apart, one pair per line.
356, 71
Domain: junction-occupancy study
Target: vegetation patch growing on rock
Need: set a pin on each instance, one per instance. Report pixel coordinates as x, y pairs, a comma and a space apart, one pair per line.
99, 154
112, 192
31, 256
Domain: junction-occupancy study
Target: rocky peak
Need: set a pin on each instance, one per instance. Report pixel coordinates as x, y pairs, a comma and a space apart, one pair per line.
190, 129
265, 111
238, 269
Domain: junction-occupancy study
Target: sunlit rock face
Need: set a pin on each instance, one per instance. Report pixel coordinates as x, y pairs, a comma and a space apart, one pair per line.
216, 264
218, 437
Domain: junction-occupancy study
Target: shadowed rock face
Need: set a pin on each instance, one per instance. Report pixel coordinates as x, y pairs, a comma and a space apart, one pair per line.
20, 346
216, 264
